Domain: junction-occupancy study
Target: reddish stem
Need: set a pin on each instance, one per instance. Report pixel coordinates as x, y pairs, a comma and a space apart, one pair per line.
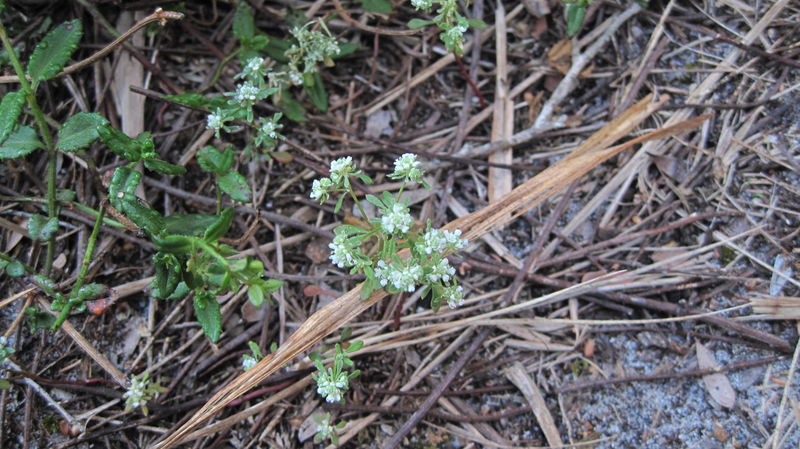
471, 83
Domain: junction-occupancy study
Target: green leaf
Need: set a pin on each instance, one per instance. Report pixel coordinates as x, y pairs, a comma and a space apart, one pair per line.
15, 269
10, 109
339, 204
244, 26
90, 291
79, 131
317, 93
477, 23
143, 216
415, 24
220, 227
236, 186
292, 108
378, 6
162, 167
53, 52
206, 308
124, 182
255, 293
188, 224
346, 49
173, 244
214, 161
375, 201
46, 284
575, 14
40, 228
276, 49
20, 143
167, 275
120, 143
38, 319
272, 285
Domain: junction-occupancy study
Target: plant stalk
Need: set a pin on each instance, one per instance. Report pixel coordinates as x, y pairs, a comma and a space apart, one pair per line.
44, 132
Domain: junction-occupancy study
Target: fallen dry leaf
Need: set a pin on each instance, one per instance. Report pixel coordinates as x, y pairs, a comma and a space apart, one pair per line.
717, 384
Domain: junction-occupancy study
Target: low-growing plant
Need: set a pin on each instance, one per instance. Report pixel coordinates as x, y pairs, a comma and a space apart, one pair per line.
141, 390
451, 23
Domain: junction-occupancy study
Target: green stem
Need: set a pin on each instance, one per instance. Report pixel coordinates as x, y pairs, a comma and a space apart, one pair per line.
218, 71
360, 209
219, 195
44, 131
87, 258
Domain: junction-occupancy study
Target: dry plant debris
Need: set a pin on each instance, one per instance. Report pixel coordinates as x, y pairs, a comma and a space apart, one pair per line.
630, 195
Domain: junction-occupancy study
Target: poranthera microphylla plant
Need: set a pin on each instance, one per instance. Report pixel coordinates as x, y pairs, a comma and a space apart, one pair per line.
451, 23
373, 250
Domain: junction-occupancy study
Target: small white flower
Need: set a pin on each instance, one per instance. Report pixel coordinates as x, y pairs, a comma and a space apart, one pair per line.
321, 189
248, 361
341, 169
254, 69
398, 220
246, 94
136, 394
402, 278
331, 387
442, 270
422, 4
216, 121
454, 240
455, 296
343, 254
324, 427
406, 167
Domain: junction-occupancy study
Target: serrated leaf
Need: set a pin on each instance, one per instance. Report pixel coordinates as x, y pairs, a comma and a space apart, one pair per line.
236, 186
40, 228
167, 275
123, 182
317, 93
162, 167
46, 284
143, 216
10, 109
243, 23
38, 319
214, 161
79, 131
207, 311
53, 52
220, 227
119, 142
415, 24
378, 6
20, 143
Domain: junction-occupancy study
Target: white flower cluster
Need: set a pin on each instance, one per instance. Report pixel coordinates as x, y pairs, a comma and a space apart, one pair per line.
341, 169
321, 189
254, 70
401, 277
138, 392
324, 427
398, 220
422, 4
246, 94
5, 349
343, 254
454, 295
330, 385
314, 46
248, 361
441, 271
435, 241
407, 168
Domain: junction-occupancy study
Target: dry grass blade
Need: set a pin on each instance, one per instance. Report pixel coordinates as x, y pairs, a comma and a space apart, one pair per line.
778, 307
338, 313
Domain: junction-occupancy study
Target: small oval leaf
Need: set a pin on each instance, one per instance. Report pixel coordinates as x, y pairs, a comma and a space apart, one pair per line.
20, 143
79, 131
10, 108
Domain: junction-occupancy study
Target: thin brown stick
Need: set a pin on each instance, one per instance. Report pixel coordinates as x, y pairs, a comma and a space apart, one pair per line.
159, 15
